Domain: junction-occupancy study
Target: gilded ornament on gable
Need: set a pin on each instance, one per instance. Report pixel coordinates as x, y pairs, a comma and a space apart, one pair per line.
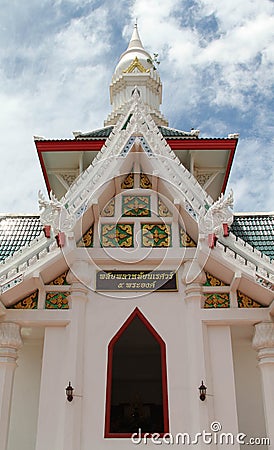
117, 235
145, 182
185, 239
163, 210
128, 182
29, 302
87, 239
60, 280
156, 235
246, 302
135, 65
109, 209
217, 300
136, 206
57, 300
213, 281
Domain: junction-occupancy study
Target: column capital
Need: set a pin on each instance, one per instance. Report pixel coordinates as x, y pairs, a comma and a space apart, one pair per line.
193, 273
264, 335
10, 335
80, 275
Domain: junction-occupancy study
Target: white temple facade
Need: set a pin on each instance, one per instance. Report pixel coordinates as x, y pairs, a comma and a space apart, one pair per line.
137, 290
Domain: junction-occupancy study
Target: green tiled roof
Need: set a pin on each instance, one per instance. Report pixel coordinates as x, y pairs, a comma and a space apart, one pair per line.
173, 133
103, 133
16, 231
257, 230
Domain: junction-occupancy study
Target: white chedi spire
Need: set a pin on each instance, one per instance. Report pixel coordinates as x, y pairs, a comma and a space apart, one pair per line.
135, 68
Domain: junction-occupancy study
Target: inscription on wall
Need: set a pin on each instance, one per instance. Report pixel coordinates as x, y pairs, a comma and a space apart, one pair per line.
136, 280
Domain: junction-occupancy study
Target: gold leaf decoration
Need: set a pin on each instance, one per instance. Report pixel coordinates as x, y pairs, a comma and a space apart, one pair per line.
87, 239
145, 182
213, 281
217, 301
109, 209
117, 235
156, 235
60, 280
163, 210
185, 239
246, 302
128, 182
57, 300
29, 302
135, 65
136, 206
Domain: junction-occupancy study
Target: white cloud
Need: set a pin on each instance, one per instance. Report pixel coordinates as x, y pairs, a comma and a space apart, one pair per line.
57, 58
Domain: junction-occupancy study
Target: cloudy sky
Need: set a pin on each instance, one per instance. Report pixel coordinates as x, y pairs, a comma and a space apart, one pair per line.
216, 64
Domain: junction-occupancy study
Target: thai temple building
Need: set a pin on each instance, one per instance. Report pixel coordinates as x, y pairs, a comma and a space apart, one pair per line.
136, 309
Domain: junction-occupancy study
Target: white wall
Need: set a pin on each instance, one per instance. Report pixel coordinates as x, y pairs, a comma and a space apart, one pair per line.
248, 385
25, 400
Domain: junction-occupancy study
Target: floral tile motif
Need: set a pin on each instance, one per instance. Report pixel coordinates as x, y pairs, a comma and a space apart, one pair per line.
29, 302
117, 235
246, 302
109, 209
145, 182
185, 239
163, 210
213, 281
57, 300
87, 239
136, 206
60, 280
156, 235
128, 182
217, 300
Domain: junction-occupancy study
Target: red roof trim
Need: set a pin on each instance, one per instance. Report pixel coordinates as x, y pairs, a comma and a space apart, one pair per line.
202, 144
208, 144
75, 145
69, 146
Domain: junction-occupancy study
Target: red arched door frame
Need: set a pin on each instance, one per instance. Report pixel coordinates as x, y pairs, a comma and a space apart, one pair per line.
134, 314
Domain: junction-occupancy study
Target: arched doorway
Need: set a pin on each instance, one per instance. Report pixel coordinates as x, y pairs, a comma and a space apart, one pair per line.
136, 380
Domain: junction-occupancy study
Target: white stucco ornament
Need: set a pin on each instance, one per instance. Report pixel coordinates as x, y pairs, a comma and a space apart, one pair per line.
55, 214
217, 215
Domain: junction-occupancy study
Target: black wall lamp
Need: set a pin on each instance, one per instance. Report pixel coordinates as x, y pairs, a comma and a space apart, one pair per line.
69, 392
202, 390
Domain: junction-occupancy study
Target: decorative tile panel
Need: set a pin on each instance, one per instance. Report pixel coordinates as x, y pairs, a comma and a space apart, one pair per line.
145, 182
185, 239
109, 209
87, 239
136, 206
57, 300
117, 235
213, 281
29, 302
246, 302
61, 280
217, 301
163, 210
156, 235
128, 182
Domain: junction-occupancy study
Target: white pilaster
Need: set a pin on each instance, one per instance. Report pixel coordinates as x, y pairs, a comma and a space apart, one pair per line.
10, 342
194, 277
263, 342
79, 277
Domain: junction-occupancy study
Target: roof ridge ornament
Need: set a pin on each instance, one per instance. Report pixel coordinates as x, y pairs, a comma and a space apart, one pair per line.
55, 213
216, 216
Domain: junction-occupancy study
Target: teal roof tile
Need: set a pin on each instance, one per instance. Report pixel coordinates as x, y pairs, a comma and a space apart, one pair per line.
257, 230
16, 231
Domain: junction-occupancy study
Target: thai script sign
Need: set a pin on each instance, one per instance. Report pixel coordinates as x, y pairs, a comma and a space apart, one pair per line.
136, 280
